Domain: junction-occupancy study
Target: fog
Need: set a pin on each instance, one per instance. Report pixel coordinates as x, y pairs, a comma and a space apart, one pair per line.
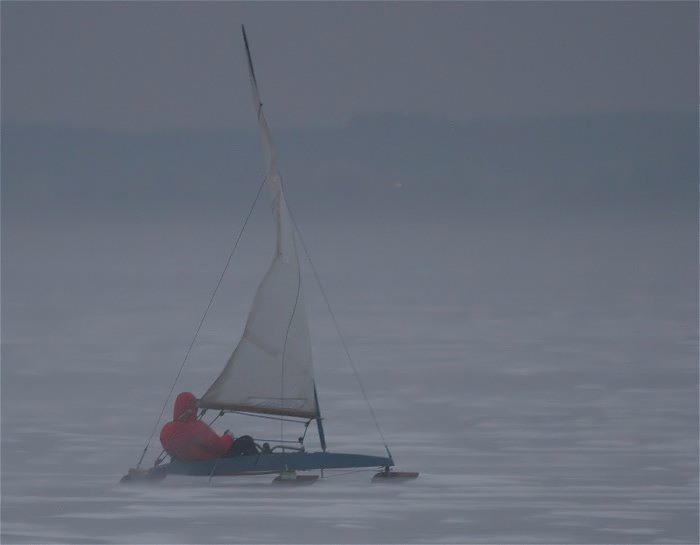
526, 332
142, 65
518, 288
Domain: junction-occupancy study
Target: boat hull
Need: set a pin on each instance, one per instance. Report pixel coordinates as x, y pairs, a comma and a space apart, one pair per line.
272, 463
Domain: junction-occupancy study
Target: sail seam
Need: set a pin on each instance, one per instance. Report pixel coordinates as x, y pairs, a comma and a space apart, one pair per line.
252, 339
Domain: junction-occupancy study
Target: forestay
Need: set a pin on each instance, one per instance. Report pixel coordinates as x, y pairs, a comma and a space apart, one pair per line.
270, 371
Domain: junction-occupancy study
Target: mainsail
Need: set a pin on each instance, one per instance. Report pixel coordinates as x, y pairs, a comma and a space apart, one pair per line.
270, 371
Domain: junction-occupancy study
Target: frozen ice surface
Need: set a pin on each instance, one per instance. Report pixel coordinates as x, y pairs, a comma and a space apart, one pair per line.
544, 397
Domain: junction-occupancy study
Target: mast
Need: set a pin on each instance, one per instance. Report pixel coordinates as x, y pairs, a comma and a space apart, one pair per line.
319, 422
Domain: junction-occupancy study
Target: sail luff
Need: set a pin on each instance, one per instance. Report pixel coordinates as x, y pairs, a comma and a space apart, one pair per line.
273, 180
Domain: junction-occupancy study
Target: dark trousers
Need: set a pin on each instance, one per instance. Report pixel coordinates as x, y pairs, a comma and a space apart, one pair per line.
243, 446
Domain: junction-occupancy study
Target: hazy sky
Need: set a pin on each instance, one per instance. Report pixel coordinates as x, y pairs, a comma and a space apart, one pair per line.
158, 65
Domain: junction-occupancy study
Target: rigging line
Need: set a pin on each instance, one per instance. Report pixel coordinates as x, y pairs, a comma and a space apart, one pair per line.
215, 418
258, 439
277, 418
201, 322
340, 335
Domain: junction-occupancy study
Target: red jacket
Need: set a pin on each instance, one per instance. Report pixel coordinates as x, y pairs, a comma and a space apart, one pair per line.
188, 439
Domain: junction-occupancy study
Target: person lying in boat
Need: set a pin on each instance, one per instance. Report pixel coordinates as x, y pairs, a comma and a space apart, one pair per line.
188, 438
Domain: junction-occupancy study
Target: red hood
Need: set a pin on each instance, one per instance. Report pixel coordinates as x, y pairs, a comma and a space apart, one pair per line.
185, 401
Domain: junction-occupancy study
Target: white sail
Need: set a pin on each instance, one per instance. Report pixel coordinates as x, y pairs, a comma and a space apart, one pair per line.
270, 371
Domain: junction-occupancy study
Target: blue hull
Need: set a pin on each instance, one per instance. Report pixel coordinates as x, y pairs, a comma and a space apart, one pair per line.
271, 463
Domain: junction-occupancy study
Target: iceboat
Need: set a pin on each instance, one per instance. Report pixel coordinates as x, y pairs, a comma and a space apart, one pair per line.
270, 372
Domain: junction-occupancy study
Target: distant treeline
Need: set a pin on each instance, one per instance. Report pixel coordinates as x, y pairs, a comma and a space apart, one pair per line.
601, 165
